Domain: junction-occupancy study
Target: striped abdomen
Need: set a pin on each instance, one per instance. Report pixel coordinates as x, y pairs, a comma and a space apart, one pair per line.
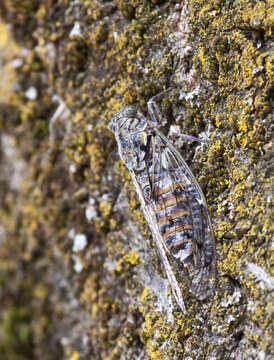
179, 219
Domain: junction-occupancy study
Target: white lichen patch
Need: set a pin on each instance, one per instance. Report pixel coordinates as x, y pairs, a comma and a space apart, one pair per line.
72, 168
71, 233
91, 211
31, 93
79, 242
16, 63
231, 299
76, 30
264, 279
13, 166
78, 266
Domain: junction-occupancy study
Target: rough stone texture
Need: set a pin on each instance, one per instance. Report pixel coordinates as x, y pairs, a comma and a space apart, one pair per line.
79, 275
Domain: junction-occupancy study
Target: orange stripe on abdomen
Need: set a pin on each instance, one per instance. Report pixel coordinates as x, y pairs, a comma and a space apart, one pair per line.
179, 243
164, 220
173, 214
175, 229
169, 188
168, 200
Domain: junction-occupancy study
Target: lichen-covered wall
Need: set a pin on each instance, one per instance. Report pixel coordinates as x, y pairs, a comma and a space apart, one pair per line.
80, 277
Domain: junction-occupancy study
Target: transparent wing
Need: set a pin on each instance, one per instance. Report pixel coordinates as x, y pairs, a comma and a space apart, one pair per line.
149, 215
182, 215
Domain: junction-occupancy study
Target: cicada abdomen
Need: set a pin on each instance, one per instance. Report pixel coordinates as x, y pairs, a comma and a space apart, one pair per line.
183, 220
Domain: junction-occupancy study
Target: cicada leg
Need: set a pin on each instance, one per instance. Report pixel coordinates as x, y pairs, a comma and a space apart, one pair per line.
156, 116
190, 138
153, 109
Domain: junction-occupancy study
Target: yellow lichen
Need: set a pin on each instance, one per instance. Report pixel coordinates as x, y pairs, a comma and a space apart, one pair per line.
131, 258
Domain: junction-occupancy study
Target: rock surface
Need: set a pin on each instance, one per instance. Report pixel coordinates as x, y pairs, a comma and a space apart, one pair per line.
79, 274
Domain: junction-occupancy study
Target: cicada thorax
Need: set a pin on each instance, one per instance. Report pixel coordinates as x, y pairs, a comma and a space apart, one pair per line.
129, 127
132, 149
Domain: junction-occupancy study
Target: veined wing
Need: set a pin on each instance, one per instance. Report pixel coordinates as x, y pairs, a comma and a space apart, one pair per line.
151, 220
182, 215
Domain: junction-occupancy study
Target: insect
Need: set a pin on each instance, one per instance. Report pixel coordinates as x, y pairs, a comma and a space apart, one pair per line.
172, 200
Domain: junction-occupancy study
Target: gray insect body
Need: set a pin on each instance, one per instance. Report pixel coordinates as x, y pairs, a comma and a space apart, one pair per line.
172, 201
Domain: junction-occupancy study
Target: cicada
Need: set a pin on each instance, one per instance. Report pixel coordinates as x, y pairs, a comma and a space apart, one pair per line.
172, 200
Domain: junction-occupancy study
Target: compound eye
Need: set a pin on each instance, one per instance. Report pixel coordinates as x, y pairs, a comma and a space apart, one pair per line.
111, 126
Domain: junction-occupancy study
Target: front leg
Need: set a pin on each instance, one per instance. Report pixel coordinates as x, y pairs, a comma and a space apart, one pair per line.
153, 109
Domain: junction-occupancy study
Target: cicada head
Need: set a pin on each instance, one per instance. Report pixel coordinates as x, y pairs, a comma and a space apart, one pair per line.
128, 120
